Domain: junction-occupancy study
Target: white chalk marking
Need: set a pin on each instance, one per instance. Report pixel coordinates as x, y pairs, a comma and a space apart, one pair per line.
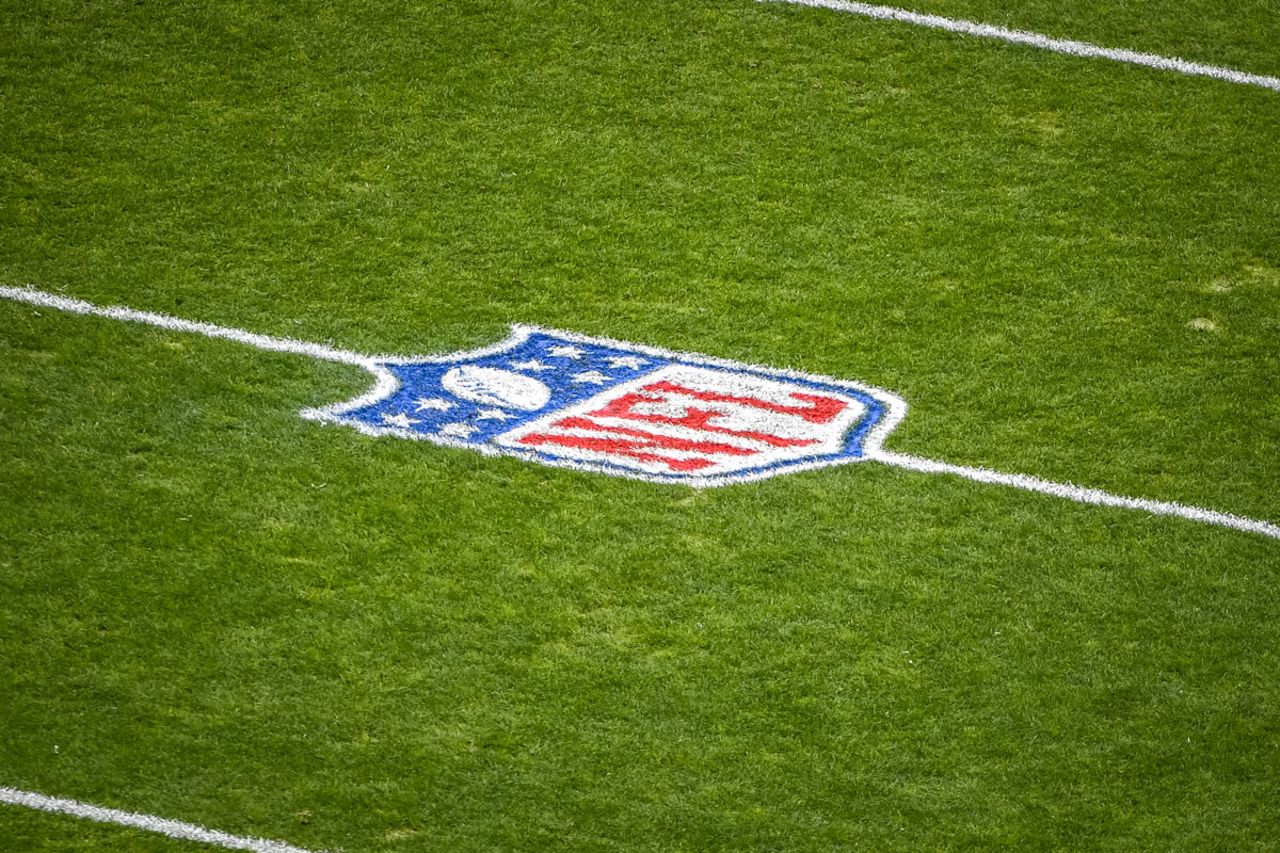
149, 823
1057, 45
164, 321
401, 420
425, 404
386, 384
385, 381
590, 377
1079, 494
531, 364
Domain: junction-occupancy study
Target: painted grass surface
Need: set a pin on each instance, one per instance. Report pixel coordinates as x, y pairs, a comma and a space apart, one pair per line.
214, 611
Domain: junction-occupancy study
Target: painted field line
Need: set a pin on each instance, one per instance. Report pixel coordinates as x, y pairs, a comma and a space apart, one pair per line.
1057, 45
148, 823
385, 383
176, 324
1080, 494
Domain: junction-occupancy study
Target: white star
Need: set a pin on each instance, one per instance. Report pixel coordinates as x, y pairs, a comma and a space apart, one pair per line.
457, 430
567, 352
624, 361
592, 377
401, 420
490, 414
433, 403
531, 364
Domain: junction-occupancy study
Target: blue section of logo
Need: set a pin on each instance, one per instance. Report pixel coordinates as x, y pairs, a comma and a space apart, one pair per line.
570, 371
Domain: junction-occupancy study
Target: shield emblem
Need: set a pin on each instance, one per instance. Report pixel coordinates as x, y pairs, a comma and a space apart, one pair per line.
566, 400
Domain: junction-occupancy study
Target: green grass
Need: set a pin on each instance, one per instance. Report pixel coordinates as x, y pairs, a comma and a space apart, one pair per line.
219, 612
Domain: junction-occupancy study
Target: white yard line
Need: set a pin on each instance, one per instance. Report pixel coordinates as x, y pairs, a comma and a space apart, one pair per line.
386, 383
1079, 494
149, 823
1057, 45
164, 321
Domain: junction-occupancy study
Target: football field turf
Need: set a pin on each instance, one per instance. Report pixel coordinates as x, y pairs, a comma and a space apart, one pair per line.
215, 611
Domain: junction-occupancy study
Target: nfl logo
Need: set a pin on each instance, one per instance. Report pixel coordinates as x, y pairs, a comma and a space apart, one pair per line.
592, 404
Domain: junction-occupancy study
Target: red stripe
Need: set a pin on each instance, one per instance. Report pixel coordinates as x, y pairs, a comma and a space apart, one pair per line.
623, 407
616, 447
653, 439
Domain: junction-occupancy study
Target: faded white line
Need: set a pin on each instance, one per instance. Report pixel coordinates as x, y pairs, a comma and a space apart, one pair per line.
149, 823
1079, 494
1057, 45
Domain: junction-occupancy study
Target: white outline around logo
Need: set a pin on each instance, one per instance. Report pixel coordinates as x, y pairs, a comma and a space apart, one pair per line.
386, 384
